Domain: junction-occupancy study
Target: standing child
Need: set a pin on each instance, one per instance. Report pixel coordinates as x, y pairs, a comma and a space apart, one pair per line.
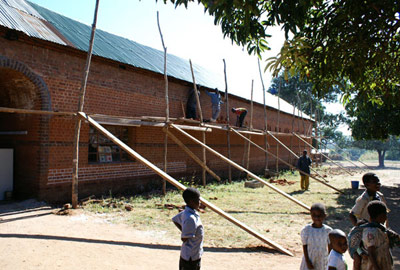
189, 223
314, 237
338, 242
376, 238
359, 213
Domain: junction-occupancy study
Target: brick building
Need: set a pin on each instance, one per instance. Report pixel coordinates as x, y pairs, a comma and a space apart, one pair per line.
42, 57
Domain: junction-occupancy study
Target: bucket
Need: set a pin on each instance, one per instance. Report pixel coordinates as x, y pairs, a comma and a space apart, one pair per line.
354, 184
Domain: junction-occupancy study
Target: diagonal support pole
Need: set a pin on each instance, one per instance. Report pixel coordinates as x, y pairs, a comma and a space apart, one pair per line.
178, 185
293, 153
237, 166
285, 162
191, 154
343, 168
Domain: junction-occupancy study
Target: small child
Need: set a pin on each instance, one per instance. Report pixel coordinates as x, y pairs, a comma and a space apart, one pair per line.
314, 237
359, 213
189, 223
338, 242
376, 239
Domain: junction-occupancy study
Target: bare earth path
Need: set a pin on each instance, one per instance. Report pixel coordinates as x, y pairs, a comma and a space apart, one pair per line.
32, 237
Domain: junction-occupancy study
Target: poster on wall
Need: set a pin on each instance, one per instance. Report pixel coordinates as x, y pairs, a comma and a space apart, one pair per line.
105, 154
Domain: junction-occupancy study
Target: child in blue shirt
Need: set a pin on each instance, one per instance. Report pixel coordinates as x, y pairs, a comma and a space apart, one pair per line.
189, 223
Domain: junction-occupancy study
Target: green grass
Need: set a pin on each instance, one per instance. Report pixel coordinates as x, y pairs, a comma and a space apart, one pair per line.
263, 209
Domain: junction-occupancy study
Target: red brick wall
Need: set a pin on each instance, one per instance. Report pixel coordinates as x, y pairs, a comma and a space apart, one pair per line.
112, 90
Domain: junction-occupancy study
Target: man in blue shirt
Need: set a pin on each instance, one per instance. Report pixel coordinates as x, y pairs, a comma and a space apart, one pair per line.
216, 104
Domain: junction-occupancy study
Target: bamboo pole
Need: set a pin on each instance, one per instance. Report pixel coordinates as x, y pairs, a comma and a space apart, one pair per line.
227, 124
237, 166
164, 183
178, 185
250, 126
337, 164
279, 111
288, 164
265, 117
293, 153
345, 157
203, 171
78, 123
191, 154
291, 137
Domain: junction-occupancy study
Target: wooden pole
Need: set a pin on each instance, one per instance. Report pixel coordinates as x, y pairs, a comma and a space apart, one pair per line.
237, 166
279, 112
203, 172
164, 183
285, 162
265, 118
340, 166
291, 137
227, 124
250, 126
293, 153
349, 160
178, 185
75, 159
191, 154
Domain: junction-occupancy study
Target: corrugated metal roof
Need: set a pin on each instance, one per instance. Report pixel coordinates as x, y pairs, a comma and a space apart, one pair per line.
22, 17
116, 48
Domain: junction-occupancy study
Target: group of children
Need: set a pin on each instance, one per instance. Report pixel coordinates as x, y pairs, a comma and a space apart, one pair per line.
368, 241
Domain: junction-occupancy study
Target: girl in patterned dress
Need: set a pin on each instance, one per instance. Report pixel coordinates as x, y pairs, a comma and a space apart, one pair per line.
315, 240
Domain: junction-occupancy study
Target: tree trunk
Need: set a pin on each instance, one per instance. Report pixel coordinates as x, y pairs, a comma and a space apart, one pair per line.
381, 156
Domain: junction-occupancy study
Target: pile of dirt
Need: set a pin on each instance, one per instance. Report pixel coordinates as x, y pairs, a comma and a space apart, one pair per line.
282, 182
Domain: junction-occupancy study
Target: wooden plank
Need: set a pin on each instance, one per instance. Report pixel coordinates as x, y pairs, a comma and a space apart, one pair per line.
178, 185
26, 111
228, 139
191, 154
237, 166
337, 164
288, 164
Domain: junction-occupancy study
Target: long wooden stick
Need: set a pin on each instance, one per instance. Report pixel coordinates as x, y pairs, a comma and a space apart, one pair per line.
250, 126
203, 171
323, 154
77, 133
26, 111
293, 153
227, 124
279, 113
285, 162
265, 117
164, 183
178, 185
345, 157
237, 166
191, 154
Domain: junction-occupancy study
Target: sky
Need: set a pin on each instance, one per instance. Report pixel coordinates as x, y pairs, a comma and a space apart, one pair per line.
188, 33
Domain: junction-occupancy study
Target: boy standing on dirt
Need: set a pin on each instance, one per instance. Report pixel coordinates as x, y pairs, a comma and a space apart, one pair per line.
339, 246
189, 223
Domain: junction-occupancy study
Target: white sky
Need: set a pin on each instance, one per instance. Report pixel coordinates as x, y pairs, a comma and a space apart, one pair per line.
188, 33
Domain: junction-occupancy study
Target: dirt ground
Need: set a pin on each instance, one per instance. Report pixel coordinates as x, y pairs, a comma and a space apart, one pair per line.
32, 237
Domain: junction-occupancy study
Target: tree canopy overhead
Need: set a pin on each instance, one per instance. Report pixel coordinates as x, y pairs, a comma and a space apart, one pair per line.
350, 44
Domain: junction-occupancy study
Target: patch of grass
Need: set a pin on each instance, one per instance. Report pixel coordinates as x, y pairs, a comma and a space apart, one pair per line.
263, 209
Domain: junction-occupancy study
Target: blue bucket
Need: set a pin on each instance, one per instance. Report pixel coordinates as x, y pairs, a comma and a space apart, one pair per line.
355, 184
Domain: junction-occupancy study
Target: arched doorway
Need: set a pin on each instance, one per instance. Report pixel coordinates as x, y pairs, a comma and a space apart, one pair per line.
26, 134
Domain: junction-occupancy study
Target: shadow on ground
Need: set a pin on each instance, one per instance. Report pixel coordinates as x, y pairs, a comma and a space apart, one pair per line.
338, 216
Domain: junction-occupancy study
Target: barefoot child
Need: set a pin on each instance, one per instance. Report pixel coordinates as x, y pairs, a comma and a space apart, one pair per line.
189, 223
377, 239
314, 237
338, 242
